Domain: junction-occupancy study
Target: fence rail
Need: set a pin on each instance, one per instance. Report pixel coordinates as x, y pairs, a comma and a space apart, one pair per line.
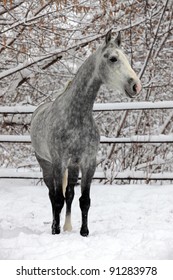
131, 175
29, 109
126, 175
104, 140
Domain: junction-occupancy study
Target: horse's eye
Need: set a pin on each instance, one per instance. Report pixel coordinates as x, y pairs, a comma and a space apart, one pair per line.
113, 59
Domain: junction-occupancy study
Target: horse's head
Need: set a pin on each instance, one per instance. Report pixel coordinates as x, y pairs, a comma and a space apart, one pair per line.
115, 70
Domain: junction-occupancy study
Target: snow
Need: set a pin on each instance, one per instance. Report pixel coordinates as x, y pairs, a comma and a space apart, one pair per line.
125, 222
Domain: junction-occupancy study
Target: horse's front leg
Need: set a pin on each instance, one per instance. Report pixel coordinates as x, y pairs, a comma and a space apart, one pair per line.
73, 173
84, 201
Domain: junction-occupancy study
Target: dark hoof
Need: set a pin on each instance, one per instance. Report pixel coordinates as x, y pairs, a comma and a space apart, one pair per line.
84, 232
55, 230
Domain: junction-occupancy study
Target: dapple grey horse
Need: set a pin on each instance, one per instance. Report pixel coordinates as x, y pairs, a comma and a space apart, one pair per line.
64, 134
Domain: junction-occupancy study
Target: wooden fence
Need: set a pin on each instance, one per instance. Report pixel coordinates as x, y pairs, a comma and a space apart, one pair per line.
135, 175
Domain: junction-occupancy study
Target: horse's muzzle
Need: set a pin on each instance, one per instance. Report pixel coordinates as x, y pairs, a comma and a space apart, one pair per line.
132, 88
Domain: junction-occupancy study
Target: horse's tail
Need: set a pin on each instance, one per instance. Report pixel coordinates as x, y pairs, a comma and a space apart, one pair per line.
64, 182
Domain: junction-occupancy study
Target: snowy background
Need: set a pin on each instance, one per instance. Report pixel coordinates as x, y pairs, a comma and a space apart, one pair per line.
125, 222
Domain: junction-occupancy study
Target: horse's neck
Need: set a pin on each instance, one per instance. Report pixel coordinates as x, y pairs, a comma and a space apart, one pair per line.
84, 87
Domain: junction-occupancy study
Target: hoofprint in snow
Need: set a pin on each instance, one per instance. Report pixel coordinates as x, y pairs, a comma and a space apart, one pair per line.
126, 222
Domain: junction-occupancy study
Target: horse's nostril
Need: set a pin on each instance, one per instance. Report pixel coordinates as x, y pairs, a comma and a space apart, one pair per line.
134, 88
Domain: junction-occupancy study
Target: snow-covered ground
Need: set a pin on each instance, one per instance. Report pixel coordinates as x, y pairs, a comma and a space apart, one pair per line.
125, 222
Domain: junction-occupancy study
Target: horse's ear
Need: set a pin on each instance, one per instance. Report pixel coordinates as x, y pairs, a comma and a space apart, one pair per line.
118, 39
108, 37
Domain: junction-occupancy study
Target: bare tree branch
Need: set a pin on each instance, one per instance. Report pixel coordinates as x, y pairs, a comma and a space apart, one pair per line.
153, 42
5, 10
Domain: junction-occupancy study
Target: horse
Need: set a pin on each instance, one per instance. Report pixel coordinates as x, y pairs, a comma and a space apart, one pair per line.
64, 135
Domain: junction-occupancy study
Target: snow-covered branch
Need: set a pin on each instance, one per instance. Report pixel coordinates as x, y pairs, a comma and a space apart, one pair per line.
4, 10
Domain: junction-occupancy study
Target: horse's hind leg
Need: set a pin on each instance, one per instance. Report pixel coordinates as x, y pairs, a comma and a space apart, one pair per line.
73, 172
55, 193
87, 175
